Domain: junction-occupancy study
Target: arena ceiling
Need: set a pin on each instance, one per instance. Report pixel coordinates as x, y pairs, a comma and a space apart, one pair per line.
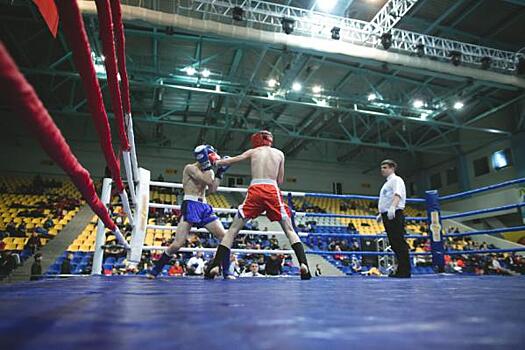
350, 103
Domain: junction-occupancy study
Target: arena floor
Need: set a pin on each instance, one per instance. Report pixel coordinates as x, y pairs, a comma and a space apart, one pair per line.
438, 312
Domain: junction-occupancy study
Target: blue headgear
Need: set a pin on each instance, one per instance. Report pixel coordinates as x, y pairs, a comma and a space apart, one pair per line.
205, 155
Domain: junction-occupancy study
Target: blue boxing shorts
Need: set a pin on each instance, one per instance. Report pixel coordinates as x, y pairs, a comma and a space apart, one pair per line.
197, 213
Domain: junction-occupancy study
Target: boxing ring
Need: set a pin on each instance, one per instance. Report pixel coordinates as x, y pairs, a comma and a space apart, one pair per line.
432, 202
432, 311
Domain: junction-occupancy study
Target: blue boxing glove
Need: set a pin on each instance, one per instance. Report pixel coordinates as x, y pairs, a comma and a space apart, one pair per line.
206, 156
222, 169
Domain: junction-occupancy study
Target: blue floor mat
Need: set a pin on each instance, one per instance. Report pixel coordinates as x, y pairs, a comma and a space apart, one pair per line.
425, 312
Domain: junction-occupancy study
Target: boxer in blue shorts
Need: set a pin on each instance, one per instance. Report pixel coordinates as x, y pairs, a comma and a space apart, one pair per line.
196, 179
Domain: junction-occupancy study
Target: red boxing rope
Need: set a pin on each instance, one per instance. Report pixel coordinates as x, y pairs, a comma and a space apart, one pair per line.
116, 12
18, 93
73, 27
108, 45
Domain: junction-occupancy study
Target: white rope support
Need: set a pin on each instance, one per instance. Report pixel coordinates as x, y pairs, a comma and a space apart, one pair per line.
220, 188
129, 175
212, 250
121, 238
131, 137
127, 208
242, 232
177, 207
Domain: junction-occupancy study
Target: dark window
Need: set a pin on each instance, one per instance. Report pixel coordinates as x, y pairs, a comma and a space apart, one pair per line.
337, 188
501, 159
412, 187
452, 176
435, 181
481, 166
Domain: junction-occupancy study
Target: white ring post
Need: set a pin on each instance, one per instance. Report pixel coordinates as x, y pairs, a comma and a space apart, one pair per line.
212, 250
131, 137
241, 232
141, 218
129, 175
101, 230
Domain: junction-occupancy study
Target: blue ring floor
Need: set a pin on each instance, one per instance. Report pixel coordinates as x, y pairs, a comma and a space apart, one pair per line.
425, 312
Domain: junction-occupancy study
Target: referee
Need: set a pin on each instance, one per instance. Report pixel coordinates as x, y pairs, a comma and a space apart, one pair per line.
391, 204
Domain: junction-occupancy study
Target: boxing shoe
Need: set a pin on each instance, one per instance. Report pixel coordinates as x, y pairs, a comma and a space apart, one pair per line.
400, 275
305, 272
211, 272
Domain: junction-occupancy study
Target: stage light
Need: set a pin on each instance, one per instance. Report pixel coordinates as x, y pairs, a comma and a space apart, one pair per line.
205, 73
296, 86
418, 103
520, 68
372, 97
237, 13
272, 83
190, 71
458, 105
486, 62
386, 40
336, 33
326, 5
455, 57
420, 50
287, 25
317, 89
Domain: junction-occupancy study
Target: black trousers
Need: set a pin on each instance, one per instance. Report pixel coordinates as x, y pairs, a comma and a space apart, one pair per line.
395, 230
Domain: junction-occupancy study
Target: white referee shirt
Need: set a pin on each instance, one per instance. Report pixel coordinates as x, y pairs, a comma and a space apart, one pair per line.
393, 185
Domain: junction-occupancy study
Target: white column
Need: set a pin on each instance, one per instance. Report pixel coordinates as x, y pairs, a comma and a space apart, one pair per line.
141, 217
101, 230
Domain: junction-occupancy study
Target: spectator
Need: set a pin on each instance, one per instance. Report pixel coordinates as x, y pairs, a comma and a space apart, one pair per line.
274, 243
235, 268
65, 268
351, 227
8, 263
33, 243
318, 270
36, 268
253, 271
48, 223
176, 269
273, 265
356, 264
195, 266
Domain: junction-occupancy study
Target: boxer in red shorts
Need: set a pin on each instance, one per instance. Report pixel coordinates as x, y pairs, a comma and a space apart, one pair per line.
267, 168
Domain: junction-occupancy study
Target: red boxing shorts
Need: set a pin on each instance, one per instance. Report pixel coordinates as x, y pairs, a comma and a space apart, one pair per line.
264, 195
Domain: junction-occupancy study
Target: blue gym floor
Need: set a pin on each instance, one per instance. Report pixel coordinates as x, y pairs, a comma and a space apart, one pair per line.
425, 312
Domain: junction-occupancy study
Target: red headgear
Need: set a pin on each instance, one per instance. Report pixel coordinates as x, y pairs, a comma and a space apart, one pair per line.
262, 138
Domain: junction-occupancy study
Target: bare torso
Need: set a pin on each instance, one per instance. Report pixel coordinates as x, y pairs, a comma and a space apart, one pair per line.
190, 185
266, 162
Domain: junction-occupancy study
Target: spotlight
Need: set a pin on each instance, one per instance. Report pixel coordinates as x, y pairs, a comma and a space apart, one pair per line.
317, 89
296, 87
455, 57
418, 103
190, 71
272, 83
335, 33
372, 97
486, 62
520, 68
326, 5
458, 105
237, 13
287, 25
420, 50
206, 73
386, 40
